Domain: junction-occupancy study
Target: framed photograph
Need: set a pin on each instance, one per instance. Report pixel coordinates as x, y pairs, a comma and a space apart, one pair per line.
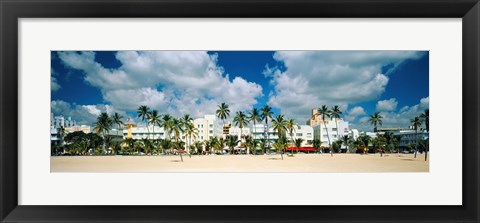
174, 111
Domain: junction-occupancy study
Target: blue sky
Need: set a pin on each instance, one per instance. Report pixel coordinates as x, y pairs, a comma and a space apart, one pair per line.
395, 83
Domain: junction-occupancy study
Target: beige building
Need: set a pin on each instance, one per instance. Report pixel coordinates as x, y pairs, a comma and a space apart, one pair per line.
316, 118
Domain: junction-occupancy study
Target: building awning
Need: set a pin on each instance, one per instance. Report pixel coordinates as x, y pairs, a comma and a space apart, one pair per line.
302, 149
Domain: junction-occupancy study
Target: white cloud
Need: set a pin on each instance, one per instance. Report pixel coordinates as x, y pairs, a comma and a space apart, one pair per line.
353, 113
396, 119
387, 105
54, 84
356, 111
314, 78
83, 114
177, 82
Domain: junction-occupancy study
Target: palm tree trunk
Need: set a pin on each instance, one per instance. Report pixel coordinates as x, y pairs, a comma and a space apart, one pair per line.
336, 125
254, 131
328, 137
103, 147
268, 137
223, 126
148, 130
416, 143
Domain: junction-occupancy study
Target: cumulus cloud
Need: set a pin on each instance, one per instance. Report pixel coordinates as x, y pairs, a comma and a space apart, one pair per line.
354, 112
177, 82
54, 84
396, 119
83, 114
387, 105
314, 78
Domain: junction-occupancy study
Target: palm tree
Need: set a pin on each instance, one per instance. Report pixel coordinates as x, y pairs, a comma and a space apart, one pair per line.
298, 143
103, 126
153, 119
416, 122
375, 119
290, 126
143, 113
61, 132
359, 144
379, 143
280, 145
279, 123
198, 145
265, 113
336, 113
166, 123
117, 119
166, 144
190, 132
425, 118
223, 112
241, 120
176, 128
186, 120
147, 145
363, 141
390, 139
178, 146
347, 140
250, 144
316, 144
263, 144
324, 112
217, 144
254, 117
232, 141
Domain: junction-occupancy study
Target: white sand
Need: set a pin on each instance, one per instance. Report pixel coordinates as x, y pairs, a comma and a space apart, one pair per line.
343, 163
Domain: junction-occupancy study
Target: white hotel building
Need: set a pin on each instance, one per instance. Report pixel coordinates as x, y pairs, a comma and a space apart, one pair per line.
208, 127
301, 131
237, 131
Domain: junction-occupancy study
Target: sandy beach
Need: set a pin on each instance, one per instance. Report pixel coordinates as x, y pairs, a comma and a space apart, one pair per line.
339, 163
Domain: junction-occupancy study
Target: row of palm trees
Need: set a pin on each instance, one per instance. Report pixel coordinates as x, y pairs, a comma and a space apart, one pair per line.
417, 121
176, 126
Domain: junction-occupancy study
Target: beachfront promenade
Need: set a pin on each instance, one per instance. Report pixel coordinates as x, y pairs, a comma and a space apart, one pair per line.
339, 163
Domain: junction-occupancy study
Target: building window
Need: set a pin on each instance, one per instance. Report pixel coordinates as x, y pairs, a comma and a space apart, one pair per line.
211, 125
309, 134
334, 129
299, 134
211, 131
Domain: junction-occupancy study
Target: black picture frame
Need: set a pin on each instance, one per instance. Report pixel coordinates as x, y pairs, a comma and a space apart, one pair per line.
11, 11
